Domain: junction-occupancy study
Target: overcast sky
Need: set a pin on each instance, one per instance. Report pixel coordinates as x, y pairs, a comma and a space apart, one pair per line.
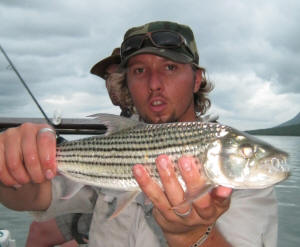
251, 51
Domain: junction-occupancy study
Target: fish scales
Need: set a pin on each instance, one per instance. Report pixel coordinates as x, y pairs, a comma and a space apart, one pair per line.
229, 157
104, 161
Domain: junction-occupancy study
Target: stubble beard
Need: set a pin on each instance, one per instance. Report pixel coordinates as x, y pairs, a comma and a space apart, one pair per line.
159, 119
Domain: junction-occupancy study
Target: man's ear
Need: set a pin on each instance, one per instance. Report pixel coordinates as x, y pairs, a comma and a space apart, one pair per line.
198, 80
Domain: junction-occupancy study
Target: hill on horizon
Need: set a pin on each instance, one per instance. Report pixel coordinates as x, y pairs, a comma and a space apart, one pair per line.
293, 121
288, 128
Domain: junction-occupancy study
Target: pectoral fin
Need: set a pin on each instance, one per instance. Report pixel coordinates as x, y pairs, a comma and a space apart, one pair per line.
123, 202
70, 189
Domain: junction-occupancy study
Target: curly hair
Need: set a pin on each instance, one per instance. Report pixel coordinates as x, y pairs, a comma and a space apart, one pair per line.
120, 95
201, 100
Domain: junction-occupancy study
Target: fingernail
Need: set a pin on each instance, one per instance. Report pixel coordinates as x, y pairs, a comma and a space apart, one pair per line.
224, 192
17, 186
49, 174
186, 165
164, 164
137, 171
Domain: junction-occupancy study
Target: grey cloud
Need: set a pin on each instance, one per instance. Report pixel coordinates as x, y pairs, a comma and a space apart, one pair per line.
54, 44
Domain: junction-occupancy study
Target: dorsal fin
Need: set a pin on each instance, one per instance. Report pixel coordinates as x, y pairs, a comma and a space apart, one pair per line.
115, 123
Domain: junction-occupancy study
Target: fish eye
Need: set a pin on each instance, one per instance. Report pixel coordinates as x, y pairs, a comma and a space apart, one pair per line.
248, 151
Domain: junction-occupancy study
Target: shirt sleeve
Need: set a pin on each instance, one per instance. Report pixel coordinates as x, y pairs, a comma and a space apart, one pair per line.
82, 202
252, 219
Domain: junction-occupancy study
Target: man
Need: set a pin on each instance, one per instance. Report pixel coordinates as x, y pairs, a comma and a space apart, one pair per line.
165, 84
108, 69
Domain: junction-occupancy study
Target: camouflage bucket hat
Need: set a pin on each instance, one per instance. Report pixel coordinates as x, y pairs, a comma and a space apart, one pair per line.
185, 52
99, 68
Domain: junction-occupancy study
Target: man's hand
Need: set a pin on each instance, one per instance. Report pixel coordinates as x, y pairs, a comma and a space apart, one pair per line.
27, 158
204, 211
26, 155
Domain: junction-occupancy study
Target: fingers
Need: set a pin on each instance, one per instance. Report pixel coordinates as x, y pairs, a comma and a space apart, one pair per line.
206, 205
169, 180
211, 204
14, 157
222, 193
46, 143
162, 211
196, 185
39, 153
221, 197
5, 177
189, 169
171, 185
150, 188
31, 157
26, 156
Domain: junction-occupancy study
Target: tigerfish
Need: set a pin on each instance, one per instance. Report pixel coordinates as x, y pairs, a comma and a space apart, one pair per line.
227, 157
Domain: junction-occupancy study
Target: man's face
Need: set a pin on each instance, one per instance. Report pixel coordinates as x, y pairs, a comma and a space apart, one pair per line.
111, 69
162, 90
113, 93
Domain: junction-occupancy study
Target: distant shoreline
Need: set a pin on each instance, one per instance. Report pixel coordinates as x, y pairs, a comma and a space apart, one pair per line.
290, 130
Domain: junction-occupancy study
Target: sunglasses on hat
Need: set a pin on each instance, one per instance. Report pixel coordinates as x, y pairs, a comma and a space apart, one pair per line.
160, 39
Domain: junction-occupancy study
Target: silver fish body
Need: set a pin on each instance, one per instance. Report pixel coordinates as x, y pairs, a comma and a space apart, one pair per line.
229, 157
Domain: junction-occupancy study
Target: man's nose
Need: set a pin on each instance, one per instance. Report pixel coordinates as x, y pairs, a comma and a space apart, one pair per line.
155, 81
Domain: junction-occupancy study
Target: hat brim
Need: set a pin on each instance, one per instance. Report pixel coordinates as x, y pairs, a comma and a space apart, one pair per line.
166, 53
99, 68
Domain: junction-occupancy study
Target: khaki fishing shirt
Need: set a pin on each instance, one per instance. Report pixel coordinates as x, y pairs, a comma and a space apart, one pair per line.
251, 220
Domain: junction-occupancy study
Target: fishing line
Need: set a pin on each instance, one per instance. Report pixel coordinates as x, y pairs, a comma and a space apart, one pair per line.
28, 90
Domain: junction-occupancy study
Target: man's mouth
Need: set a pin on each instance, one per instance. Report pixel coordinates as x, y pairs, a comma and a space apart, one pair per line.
157, 105
157, 102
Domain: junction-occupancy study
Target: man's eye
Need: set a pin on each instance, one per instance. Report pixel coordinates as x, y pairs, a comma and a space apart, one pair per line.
171, 67
138, 70
105, 76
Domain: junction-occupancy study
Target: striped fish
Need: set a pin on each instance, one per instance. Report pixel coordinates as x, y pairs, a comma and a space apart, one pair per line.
229, 157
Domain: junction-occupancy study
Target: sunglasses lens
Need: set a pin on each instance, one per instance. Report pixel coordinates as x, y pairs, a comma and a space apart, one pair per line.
131, 45
166, 39
161, 39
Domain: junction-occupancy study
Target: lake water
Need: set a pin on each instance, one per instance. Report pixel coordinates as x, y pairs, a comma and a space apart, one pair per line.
288, 193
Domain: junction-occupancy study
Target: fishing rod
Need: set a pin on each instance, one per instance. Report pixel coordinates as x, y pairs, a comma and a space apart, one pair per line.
29, 91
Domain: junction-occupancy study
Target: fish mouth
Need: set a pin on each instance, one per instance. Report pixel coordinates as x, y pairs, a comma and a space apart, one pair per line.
269, 171
275, 164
